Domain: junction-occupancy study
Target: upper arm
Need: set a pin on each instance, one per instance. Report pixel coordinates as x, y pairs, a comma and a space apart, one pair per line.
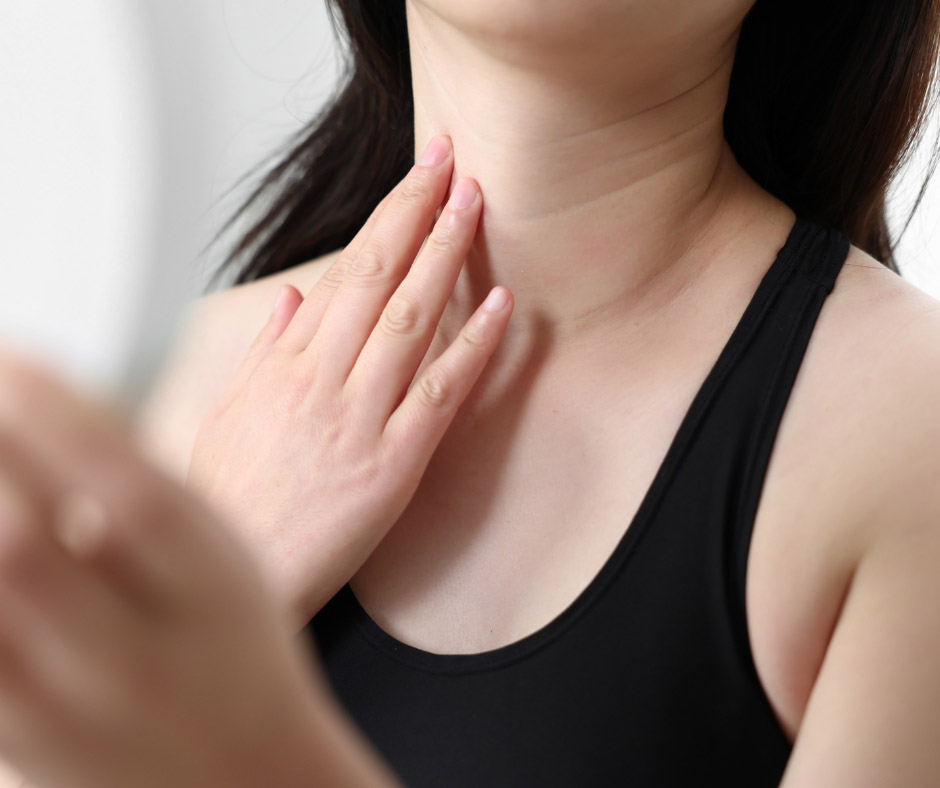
873, 716
167, 420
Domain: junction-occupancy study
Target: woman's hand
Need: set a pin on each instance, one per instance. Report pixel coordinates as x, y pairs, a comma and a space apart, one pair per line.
319, 444
139, 644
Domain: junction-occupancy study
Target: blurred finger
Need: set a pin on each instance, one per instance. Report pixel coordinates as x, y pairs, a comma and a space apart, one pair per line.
57, 444
60, 617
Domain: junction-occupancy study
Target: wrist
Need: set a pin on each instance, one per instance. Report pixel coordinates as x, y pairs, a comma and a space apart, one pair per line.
306, 739
322, 747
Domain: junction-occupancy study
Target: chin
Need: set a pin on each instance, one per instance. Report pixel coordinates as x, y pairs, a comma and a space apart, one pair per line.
531, 21
601, 25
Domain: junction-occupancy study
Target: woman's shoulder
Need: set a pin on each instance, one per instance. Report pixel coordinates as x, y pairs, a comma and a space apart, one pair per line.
883, 324
213, 337
851, 530
864, 409
854, 463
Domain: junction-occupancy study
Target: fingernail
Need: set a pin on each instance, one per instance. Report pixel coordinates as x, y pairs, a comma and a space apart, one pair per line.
496, 300
435, 152
281, 294
463, 194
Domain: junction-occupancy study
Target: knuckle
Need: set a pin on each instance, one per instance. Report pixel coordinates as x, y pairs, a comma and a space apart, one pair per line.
334, 275
402, 317
333, 420
369, 265
294, 392
474, 337
433, 389
443, 240
368, 474
416, 190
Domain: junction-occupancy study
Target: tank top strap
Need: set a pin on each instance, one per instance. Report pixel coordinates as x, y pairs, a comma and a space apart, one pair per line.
822, 252
749, 409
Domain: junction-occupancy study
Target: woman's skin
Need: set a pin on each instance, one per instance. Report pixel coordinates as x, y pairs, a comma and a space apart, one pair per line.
348, 353
631, 243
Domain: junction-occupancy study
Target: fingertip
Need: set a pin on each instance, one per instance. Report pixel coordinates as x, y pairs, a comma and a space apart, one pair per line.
499, 299
287, 295
281, 293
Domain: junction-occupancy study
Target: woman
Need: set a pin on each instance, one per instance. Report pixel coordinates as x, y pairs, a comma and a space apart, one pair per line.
563, 599
652, 546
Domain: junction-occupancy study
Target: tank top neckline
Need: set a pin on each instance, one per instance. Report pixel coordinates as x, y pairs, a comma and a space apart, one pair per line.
797, 240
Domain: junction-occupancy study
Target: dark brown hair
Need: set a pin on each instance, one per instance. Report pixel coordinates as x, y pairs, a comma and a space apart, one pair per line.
825, 103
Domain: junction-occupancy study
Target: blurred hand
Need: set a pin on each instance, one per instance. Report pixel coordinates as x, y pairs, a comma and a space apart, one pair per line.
139, 644
318, 444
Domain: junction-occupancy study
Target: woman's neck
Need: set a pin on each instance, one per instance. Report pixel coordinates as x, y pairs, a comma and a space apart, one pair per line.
606, 180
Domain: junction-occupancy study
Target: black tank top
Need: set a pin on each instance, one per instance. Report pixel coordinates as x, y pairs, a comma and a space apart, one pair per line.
647, 678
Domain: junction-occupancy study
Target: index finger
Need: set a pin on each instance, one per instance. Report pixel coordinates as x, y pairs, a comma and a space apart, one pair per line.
306, 321
307, 318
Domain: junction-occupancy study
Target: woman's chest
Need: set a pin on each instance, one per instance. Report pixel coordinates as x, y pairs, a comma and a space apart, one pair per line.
511, 525
498, 543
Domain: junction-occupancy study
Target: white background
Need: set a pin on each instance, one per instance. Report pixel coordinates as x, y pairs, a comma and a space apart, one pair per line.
80, 155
